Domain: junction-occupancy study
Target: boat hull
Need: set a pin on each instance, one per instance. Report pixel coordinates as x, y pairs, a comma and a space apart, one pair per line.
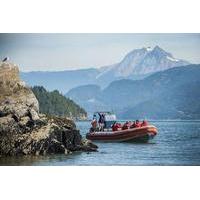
142, 134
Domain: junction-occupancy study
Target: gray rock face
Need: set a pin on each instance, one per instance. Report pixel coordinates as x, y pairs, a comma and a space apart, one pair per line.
23, 130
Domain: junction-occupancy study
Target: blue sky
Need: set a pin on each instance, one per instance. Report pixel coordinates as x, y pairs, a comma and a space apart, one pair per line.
34, 52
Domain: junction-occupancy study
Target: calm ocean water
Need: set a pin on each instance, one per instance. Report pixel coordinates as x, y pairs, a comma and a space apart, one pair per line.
177, 143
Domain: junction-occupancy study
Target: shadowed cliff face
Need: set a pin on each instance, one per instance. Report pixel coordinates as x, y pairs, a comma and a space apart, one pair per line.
23, 130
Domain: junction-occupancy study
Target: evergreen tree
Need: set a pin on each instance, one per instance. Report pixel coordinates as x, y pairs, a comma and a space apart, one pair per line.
54, 103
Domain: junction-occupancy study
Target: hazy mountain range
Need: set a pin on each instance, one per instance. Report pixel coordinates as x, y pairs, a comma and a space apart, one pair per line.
170, 94
148, 83
137, 64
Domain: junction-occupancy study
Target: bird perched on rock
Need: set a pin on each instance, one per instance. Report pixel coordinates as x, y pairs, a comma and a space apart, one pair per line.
5, 59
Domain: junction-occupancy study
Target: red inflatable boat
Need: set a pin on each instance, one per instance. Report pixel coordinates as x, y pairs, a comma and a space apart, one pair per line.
117, 132
142, 134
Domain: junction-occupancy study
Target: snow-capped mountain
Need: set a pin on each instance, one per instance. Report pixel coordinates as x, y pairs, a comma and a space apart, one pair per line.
140, 62
137, 64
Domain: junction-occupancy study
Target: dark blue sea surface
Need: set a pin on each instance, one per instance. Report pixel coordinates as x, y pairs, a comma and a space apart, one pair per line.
177, 143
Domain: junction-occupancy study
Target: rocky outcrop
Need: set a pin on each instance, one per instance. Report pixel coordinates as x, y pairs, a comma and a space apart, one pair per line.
23, 130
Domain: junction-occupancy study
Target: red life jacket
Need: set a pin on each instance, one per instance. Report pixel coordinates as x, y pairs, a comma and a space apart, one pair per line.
129, 124
119, 125
125, 126
144, 123
132, 125
116, 127
137, 124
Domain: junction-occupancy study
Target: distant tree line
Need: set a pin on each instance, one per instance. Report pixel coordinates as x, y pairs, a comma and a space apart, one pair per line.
54, 103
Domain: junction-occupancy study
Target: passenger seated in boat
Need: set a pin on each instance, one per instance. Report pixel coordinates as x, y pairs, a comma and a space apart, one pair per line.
136, 124
125, 126
144, 123
133, 125
116, 127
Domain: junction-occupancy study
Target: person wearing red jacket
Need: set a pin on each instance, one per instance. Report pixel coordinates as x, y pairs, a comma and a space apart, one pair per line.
137, 124
132, 125
116, 126
125, 126
144, 123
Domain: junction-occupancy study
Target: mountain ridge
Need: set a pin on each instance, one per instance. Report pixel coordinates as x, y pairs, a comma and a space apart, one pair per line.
137, 64
144, 61
172, 85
